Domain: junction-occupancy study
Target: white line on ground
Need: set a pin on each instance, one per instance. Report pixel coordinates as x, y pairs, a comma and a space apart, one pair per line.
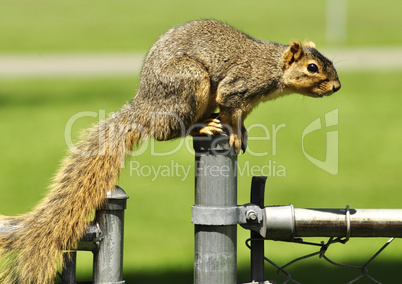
118, 64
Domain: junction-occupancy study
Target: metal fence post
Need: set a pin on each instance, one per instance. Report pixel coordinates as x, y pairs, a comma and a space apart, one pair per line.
215, 254
108, 260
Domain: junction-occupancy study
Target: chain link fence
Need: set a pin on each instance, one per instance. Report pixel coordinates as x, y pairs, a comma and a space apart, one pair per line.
323, 247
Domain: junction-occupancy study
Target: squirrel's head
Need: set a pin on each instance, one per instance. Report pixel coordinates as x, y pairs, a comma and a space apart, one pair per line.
308, 72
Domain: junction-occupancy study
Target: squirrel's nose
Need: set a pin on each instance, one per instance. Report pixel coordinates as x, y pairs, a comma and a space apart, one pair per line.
336, 86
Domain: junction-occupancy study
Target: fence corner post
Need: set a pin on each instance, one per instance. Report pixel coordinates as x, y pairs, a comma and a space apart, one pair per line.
215, 240
108, 260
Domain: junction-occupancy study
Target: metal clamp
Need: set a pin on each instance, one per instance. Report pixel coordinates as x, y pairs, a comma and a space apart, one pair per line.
92, 238
242, 214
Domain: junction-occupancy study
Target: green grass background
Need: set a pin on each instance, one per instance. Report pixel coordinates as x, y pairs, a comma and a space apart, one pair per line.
158, 233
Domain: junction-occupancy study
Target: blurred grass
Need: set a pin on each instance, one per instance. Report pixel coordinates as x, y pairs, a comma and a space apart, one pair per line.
159, 234
75, 26
33, 115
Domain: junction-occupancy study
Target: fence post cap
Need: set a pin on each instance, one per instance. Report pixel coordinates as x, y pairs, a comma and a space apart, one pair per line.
117, 193
116, 199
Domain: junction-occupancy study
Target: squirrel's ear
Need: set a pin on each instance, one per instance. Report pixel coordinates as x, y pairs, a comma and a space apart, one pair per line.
293, 53
309, 44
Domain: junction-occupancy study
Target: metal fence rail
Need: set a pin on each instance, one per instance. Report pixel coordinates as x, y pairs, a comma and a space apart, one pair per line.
104, 238
287, 223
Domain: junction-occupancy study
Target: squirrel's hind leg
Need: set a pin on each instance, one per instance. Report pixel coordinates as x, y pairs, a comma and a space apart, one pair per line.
184, 98
234, 119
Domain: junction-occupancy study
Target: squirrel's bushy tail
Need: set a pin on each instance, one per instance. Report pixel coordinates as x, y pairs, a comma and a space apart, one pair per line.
31, 254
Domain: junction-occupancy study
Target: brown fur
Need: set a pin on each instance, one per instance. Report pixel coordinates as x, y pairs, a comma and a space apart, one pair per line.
189, 72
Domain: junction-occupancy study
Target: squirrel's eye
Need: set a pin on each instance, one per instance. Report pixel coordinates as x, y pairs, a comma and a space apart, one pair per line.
312, 68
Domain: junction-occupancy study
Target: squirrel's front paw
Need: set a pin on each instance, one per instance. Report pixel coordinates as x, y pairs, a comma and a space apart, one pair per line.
210, 126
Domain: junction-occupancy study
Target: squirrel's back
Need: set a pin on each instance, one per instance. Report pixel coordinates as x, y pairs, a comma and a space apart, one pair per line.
217, 46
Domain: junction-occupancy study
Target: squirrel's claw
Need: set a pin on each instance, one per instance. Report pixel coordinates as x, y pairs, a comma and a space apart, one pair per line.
213, 126
238, 143
235, 143
210, 126
244, 141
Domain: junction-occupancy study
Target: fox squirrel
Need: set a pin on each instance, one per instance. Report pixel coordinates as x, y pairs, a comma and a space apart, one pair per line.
189, 72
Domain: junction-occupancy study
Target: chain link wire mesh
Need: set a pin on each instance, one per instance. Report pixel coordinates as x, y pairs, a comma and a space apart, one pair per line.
321, 253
